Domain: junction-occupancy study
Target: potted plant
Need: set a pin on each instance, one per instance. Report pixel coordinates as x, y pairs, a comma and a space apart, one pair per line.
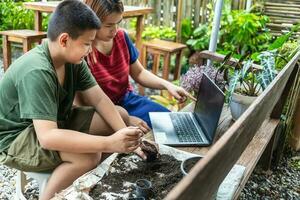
246, 82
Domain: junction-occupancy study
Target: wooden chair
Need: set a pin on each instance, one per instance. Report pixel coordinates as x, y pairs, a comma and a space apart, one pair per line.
26, 37
163, 48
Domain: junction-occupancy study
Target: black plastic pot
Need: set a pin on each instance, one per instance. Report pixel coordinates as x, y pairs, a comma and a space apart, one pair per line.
187, 164
143, 188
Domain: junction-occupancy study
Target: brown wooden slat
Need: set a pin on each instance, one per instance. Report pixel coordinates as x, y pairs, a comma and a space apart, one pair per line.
281, 5
255, 149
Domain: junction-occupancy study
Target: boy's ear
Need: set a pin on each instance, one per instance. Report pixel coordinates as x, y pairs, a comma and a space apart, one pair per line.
63, 39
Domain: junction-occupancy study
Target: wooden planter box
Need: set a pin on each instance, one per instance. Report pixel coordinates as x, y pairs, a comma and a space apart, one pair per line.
242, 142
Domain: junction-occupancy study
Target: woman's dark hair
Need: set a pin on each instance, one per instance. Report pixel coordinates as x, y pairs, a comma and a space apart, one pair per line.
103, 8
72, 17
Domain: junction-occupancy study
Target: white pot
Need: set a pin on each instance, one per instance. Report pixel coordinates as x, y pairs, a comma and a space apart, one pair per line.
239, 103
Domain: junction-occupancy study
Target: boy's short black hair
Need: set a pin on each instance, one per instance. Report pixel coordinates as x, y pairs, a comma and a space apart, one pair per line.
72, 17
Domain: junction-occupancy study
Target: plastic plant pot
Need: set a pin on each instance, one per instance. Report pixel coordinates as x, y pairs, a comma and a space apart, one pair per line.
137, 198
143, 188
187, 164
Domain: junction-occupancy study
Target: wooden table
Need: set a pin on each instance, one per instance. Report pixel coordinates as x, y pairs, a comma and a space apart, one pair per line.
129, 12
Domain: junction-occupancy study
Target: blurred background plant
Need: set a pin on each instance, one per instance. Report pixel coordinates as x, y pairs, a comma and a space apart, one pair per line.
165, 33
13, 15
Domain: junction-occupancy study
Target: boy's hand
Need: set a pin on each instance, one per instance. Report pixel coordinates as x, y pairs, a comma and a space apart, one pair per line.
140, 153
179, 93
135, 121
125, 140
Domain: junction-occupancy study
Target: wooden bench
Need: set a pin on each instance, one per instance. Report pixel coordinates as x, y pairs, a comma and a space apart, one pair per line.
242, 142
25, 37
282, 16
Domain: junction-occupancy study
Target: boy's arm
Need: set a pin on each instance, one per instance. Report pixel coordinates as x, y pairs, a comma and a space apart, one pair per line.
96, 98
148, 79
52, 138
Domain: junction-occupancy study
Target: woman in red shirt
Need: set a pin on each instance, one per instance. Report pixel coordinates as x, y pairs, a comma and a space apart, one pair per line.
114, 58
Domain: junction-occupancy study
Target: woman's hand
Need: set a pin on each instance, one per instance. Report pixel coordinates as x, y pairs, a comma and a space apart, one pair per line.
141, 124
179, 93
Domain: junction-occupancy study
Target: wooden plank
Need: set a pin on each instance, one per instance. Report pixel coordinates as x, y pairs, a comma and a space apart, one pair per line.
178, 21
208, 172
219, 57
254, 151
166, 13
197, 17
281, 5
288, 8
158, 12
6, 52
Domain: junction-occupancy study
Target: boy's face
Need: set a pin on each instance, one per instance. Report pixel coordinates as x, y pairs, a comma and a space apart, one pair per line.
109, 26
76, 49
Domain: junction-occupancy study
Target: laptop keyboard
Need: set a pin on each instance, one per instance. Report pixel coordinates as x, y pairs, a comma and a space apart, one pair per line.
185, 128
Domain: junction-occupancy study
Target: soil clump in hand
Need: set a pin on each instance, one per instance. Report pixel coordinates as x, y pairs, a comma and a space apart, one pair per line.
150, 149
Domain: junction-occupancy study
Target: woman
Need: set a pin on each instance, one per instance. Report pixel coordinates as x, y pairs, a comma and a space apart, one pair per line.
114, 57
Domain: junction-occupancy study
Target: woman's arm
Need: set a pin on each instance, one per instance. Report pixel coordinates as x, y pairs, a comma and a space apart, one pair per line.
148, 79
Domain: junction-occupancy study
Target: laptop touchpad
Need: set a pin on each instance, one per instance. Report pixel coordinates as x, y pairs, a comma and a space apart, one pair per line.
160, 137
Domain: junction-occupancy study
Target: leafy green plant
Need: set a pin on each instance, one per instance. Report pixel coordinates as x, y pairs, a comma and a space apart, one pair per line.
164, 32
186, 30
244, 32
246, 79
287, 51
13, 15
199, 38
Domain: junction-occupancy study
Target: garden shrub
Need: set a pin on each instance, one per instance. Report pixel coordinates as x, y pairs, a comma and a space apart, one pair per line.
14, 16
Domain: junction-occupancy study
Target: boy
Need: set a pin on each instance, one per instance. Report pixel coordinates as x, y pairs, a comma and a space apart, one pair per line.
39, 129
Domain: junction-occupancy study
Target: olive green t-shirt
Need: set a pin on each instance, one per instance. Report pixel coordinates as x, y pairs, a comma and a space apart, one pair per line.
30, 90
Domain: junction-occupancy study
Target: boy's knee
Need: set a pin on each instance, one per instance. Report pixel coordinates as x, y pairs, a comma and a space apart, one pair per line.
124, 114
92, 161
86, 162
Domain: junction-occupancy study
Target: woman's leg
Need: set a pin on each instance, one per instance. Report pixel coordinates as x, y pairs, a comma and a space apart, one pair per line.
140, 106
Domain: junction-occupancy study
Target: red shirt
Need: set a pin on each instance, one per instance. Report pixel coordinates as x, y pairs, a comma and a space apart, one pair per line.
112, 71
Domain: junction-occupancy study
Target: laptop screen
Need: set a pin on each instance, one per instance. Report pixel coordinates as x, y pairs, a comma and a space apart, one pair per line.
209, 106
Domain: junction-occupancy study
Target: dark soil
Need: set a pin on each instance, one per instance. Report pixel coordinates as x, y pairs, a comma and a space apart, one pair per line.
164, 173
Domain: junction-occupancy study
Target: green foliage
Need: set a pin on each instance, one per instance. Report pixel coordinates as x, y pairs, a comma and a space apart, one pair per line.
295, 162
13, 15
246, 79
287, 51
164, 32
268, 72
199, 38
244, 32
186, 30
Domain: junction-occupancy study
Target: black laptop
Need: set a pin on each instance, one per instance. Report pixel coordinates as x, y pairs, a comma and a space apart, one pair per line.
195, 128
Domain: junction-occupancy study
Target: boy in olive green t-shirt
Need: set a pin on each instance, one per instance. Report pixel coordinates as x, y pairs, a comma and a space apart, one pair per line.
39, 128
